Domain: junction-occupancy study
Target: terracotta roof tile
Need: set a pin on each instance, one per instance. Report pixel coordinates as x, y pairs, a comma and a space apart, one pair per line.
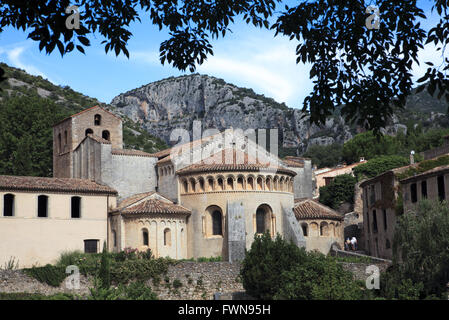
85, 110
155, 206
53, 184
241, 161
97, 138
133, 199
311, 209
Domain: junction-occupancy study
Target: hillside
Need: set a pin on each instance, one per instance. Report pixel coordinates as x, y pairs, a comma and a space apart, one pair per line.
176, 101
20, 83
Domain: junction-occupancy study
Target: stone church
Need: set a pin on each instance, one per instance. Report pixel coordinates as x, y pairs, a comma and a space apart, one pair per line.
206, 197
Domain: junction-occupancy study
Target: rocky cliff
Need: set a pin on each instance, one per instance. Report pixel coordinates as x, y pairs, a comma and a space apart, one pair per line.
175, 102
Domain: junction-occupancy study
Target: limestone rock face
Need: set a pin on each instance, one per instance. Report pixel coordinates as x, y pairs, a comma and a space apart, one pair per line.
173, 103
176, 102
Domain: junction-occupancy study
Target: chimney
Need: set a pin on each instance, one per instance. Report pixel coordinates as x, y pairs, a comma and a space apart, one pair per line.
412, 157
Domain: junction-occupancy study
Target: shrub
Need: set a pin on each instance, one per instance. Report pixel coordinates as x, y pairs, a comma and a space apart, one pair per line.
48, 274
281, 270
177, 284
339, 191
105, 269
378, 165
265, 261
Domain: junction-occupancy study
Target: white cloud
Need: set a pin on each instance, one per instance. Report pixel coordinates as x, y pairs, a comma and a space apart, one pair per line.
14, 54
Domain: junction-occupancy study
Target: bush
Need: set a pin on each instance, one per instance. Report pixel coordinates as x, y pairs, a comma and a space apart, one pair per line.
265, 261
420, 248
318, 278
339, 191
378, 165
105, 269
281, 270
48, 274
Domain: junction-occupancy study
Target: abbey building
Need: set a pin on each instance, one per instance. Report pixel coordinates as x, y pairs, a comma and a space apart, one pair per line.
208, 197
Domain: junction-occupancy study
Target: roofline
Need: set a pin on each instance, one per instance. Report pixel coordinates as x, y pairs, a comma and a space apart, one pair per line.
345, 167
58, 190
428, 173
82, 111
200, 170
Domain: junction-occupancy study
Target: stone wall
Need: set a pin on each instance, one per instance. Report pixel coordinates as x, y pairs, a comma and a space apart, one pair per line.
199, 281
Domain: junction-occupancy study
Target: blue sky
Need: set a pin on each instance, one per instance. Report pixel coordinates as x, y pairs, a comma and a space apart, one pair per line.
248, 57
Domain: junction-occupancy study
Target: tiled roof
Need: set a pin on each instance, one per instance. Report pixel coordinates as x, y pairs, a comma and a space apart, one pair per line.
293, 163
53, 184
130, 152
240, 161
155, 206
311, 209
85, 110
148, 203
98, 138
436, 170
166, 152
133, 199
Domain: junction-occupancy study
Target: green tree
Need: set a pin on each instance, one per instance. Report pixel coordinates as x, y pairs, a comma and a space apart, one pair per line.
421, 245
325, 156
265, 261
379, 165
105, 269
339, 191
368, 145
367, 71
277, 269
318, 278
26, 135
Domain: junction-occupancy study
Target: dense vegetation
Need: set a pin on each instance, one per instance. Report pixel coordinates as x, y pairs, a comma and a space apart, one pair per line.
325, 155
277, 269
28, 110
378, 165
26, 135
339, 191
421, 259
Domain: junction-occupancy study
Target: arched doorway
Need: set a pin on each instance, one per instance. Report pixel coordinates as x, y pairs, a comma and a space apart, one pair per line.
264, 220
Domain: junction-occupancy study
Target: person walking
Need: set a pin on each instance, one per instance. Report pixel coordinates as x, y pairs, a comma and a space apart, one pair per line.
347, 244
354, 243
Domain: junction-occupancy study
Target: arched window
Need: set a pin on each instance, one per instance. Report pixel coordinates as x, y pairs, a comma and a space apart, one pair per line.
217, 223
240, 183
220, 184
76, 207
304, 229
42, 206
260, 220
324, 229
186, 186
167, 237
114, 238
201, 185
210, 184
193, 185
8, 205
89, 131
145, 237
97, 120
250, 184
65, 137
59, 143
106, 135
259, 183
230, 184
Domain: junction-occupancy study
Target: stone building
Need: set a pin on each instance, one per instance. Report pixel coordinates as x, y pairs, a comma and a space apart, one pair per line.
432, 184
321, 226
207, 197
43, 217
